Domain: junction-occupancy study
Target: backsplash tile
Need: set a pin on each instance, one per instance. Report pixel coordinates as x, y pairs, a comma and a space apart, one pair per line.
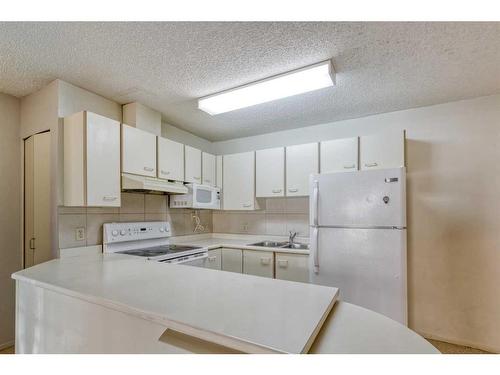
132, 203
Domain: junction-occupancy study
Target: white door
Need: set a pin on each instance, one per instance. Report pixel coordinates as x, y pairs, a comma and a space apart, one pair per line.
170, 159
362, 199
192, 171
270, 172
138, 151
37, 202
383, 150
103, 161
292, 267
208, 169
301, 161
232, 260
259, 263
239, 181
367, 265
339, 155
214, 259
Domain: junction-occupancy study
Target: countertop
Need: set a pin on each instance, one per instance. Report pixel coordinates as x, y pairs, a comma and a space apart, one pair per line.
248, 313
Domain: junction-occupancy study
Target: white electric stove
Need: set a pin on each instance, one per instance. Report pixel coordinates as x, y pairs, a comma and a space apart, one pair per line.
149, 240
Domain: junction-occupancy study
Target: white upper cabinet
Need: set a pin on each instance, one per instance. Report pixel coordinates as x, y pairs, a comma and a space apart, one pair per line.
138, 151
239, 181
218, 171
301, 161
170, 159
383, 150
339, 155
208, 169
270, 172
91, 160
192, 171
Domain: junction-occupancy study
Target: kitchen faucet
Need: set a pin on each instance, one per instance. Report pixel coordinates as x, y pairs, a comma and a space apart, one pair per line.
291, 237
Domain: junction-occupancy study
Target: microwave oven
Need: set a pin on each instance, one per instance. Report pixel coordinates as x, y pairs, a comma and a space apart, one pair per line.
198, 197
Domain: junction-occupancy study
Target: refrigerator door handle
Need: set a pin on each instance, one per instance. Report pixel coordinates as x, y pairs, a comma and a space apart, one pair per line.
315, 202
314, 249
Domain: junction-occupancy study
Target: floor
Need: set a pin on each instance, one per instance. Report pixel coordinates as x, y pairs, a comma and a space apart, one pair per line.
443, 347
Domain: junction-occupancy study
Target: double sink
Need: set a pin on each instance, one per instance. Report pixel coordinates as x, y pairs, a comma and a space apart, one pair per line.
281, 245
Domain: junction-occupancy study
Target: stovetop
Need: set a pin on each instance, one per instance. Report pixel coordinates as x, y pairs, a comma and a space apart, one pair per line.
159, 250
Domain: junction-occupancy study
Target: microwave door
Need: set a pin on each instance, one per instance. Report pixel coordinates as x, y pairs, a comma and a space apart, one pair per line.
203, 197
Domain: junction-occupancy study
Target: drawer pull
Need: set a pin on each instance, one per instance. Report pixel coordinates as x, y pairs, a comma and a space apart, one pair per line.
265, 261
293, 190
196, 178
149, 169
369, 165
165, 172
247, 205
212, 259
349, 166
283, 263
109, 198
276, 190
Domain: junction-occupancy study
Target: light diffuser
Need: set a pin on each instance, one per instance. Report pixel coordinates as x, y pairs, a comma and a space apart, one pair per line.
299, 81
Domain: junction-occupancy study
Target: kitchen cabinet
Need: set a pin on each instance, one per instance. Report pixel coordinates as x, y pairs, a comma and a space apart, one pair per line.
232, 260
214, 259
301, 161
170, 159
292, 267
270, 172
138, 151
239, 181
258, 263
192, 164
339, 155
218, 171
383, 150
91, 160
208, 169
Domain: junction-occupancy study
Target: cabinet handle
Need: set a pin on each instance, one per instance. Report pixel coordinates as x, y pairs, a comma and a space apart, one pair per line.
164, 172
350, 166
369, 165
208, 181
247, 205
212, 259
107, 198
32, 243
276, 190
265, 261
149, 169
293, 190
283, 263
196, 178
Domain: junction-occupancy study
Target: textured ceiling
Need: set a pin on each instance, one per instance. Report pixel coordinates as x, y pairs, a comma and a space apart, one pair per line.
380, 67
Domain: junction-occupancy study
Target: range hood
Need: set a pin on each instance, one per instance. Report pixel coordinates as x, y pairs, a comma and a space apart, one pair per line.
131, 182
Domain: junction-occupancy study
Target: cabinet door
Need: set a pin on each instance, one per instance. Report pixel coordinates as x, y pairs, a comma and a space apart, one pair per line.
293, 267
301, 161
270, 172
339, 155
193, 165
259, 263
170, 159
384, 150
232, 260
214, 259
239, 181
138, 152
208, 169
103, 161
218, 171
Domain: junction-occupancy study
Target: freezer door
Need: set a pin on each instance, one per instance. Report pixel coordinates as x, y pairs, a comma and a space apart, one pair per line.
367, 265
359, 199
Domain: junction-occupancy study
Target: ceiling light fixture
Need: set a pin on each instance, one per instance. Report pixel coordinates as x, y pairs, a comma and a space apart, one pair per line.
298, 81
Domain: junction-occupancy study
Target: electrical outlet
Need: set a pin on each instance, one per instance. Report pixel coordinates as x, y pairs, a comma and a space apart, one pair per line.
80, 234
244, 227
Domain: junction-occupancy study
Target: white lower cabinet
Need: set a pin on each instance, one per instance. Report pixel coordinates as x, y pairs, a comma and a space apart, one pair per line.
232, 260
292, 267
214, 259
258, 263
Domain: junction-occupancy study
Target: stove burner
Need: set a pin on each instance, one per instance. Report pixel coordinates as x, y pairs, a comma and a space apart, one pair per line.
158, 250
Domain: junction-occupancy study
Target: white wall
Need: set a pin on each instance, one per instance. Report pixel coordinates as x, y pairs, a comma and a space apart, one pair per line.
453, 211
10, 212
182, 136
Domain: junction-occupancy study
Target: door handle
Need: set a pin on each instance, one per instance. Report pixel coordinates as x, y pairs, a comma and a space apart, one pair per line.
369, 165
247, 205
276, 190
32, 243
315, 202
349, 166
165, 172
149, 169
314, 250
293, 190
108, 198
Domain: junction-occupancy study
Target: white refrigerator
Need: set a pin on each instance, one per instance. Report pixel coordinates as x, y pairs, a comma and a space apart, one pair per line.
358, 238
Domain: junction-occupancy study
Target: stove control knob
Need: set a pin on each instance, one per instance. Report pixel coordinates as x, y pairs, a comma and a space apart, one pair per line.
166, 229
122, 232
114, 233
161, 229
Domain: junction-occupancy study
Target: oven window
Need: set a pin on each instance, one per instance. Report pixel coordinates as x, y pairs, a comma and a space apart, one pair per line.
203, 196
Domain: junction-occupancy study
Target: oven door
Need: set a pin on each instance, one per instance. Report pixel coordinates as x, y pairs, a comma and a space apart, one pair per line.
197, 260
206, 197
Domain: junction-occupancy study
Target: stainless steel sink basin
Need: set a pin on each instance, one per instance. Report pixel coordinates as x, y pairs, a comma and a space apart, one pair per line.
269, 244
298, 246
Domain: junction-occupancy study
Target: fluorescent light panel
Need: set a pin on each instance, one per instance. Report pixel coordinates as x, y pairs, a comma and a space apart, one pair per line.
299, 81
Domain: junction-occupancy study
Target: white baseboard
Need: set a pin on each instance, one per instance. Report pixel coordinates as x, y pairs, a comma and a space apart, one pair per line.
461, 342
